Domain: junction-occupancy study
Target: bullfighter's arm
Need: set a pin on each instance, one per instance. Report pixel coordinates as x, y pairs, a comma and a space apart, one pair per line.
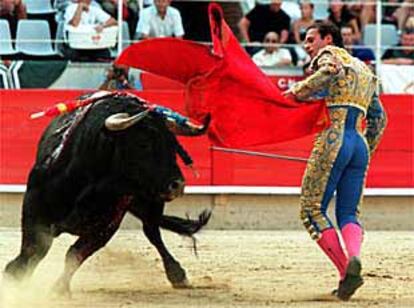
327, 67
376, 123
185, 157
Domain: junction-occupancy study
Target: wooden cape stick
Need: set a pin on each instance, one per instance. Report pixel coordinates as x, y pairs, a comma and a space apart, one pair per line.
260, 154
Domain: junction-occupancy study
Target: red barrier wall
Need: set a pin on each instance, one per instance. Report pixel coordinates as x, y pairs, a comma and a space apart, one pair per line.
392, 166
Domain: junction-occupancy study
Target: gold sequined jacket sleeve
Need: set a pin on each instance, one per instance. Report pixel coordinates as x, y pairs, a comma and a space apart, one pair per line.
376, 123
325, 67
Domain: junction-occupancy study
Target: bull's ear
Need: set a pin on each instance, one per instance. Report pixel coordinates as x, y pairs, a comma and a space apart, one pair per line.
121, 121
189, 128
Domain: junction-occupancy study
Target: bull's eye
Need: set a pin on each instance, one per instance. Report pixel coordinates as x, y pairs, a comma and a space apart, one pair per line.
147, 146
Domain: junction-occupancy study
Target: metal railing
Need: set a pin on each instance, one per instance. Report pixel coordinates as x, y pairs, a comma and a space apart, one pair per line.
377, 48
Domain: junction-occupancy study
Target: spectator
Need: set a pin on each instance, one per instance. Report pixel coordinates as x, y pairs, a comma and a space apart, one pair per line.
60, 6
130, 9
160, 20
306, 19
404, 13
13, 10
195, 19
299, 30
263, 19
340, 16
232, 13
271, 55
116, 79
401, 56
362, 53
83, 13
365, 13
388, 9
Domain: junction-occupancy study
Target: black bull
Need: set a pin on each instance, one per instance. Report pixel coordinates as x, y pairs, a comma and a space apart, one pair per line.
93, 166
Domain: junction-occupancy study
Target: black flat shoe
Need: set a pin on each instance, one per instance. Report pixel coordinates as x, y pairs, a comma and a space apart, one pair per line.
353, 280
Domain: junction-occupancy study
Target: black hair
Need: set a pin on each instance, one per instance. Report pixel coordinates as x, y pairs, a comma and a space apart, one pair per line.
328, 28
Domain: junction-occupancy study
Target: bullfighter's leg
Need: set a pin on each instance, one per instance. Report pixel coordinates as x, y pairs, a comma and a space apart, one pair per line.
175, 273
349, 192
325, 167
36, 239
87, 244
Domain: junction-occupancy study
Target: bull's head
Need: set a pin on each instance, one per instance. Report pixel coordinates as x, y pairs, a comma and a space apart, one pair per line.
121, 121
173, 186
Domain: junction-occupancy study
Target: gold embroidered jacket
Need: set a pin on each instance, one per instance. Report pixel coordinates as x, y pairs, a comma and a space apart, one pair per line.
343, 80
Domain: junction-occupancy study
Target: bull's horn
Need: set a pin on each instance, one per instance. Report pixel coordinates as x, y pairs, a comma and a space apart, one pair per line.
121, 121
189, 128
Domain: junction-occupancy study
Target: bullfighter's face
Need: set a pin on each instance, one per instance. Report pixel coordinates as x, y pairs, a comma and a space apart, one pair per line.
314, 42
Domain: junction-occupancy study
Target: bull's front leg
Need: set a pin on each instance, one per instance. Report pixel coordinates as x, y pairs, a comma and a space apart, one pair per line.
175, 273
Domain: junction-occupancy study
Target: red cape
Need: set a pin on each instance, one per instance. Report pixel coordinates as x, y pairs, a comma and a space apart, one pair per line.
246, 108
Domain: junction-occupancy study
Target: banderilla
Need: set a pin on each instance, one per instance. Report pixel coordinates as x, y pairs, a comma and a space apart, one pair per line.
260, 154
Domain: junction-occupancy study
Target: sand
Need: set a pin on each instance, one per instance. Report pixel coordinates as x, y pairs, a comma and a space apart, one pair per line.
234, 268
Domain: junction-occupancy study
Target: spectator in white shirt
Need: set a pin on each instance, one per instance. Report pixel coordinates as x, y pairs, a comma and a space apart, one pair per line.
272, 55
160, 20
83, 13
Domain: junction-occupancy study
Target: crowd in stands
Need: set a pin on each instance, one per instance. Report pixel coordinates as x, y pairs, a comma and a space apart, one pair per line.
261, 25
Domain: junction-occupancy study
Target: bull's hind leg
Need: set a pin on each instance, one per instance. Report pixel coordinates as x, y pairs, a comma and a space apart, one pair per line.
36, 239
88, 244
175, 273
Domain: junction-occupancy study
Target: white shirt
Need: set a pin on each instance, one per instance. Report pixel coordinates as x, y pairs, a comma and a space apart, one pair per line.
94, 16
151, 24
263, 58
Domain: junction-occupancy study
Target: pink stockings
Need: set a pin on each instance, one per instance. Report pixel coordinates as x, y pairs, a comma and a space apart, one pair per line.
331, 246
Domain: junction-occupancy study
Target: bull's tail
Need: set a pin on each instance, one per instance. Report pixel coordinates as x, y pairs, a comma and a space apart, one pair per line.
187, 227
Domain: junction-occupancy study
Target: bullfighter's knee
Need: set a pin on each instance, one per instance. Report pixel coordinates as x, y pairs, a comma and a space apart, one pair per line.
313, 219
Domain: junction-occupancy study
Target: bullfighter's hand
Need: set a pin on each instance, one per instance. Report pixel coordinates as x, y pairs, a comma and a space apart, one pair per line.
288, 94
194, 170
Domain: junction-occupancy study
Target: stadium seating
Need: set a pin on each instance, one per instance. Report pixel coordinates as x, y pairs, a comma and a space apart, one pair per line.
321, 9
33, 38
6, 47
389, 36
39, 7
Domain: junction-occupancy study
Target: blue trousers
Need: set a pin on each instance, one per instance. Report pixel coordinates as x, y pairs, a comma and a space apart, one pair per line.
338, 162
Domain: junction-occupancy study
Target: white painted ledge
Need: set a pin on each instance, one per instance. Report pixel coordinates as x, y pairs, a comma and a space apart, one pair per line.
249, 190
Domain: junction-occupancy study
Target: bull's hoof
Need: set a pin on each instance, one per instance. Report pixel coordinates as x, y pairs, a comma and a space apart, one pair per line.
185, 284
61, 289
176, 275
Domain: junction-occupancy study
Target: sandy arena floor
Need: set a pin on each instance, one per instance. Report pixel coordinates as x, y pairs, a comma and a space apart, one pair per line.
234, 269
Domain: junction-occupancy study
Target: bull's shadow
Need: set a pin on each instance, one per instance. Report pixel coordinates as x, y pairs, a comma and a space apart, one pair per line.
115, 155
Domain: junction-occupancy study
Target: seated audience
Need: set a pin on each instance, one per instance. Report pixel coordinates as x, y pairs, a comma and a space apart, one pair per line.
360, 52
160, 20
364, 12
388, 12
130, 9
271, 55
401, 56
299, 30
195, 19
12, 10
404, 13
340, 16
263, 19
83, 13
